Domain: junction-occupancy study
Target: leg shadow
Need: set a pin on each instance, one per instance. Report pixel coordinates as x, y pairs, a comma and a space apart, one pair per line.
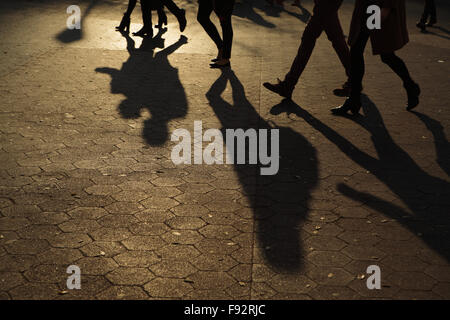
279, 202
425, 196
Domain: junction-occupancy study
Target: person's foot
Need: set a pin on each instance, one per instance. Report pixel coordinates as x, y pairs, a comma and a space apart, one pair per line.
432, 22
219, 56
182, 19
350, 104
344, 91
222, 63
279, 88
421, 25
413, 91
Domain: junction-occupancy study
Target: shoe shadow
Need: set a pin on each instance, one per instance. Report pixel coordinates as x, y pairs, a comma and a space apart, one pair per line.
149, 81
425, 196
279, 202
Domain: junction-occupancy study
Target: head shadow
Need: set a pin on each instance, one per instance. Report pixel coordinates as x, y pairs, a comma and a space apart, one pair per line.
148, 81
424, 195
68, 35
279, 202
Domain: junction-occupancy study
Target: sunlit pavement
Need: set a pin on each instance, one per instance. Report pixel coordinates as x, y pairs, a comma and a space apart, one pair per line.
87, 177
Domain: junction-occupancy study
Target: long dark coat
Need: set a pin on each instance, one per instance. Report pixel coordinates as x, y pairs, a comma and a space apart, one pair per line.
393, 34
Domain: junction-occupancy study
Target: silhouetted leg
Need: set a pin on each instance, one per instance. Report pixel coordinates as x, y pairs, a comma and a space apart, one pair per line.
205, 8
399, 67
224, 10
335, 34
162, 18
173, 8
357, 67
312, 31
146, 13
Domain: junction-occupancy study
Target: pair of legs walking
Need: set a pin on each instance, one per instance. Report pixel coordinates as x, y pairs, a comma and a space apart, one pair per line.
357, 69
325, 18
429, 11
146, 7
224, 10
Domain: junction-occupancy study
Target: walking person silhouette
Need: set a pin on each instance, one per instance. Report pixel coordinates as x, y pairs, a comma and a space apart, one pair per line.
224, 10
392, 36
325, 18
146, 7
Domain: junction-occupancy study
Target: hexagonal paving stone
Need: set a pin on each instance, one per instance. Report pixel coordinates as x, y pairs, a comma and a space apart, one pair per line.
324, 243
144, 242
79, 225
328, 258
330, 276
405, 263
291, 283
130, 276
168, 288
189, 210
178, 252
137, 258
185, 223
173, 269
213, 262
96, 265
102, 190
59, 256
219, 231
182, 237
363, 253
151, 215
124, 208
110, 234
146, 228
211, 280
412, 280
87, 213
22, 246
35, 291
159, 203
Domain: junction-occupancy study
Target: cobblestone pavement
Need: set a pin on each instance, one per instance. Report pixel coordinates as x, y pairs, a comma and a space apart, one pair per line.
87, 178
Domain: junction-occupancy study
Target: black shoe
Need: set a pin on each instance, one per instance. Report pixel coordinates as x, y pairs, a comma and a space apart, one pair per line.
421, 25
182, 19
218, 66
344, 91
144, 32
413, 91
279, 88
349, 105
124, 25
432, 22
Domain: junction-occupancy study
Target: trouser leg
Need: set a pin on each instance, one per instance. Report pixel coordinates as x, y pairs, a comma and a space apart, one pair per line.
398, 66
357, 67
224, 10
312, 31
205, 8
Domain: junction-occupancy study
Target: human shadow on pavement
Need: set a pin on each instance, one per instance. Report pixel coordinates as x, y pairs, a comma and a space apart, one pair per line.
275, 10
279, 202
441, 143
149, 81
426, 196
246, 11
